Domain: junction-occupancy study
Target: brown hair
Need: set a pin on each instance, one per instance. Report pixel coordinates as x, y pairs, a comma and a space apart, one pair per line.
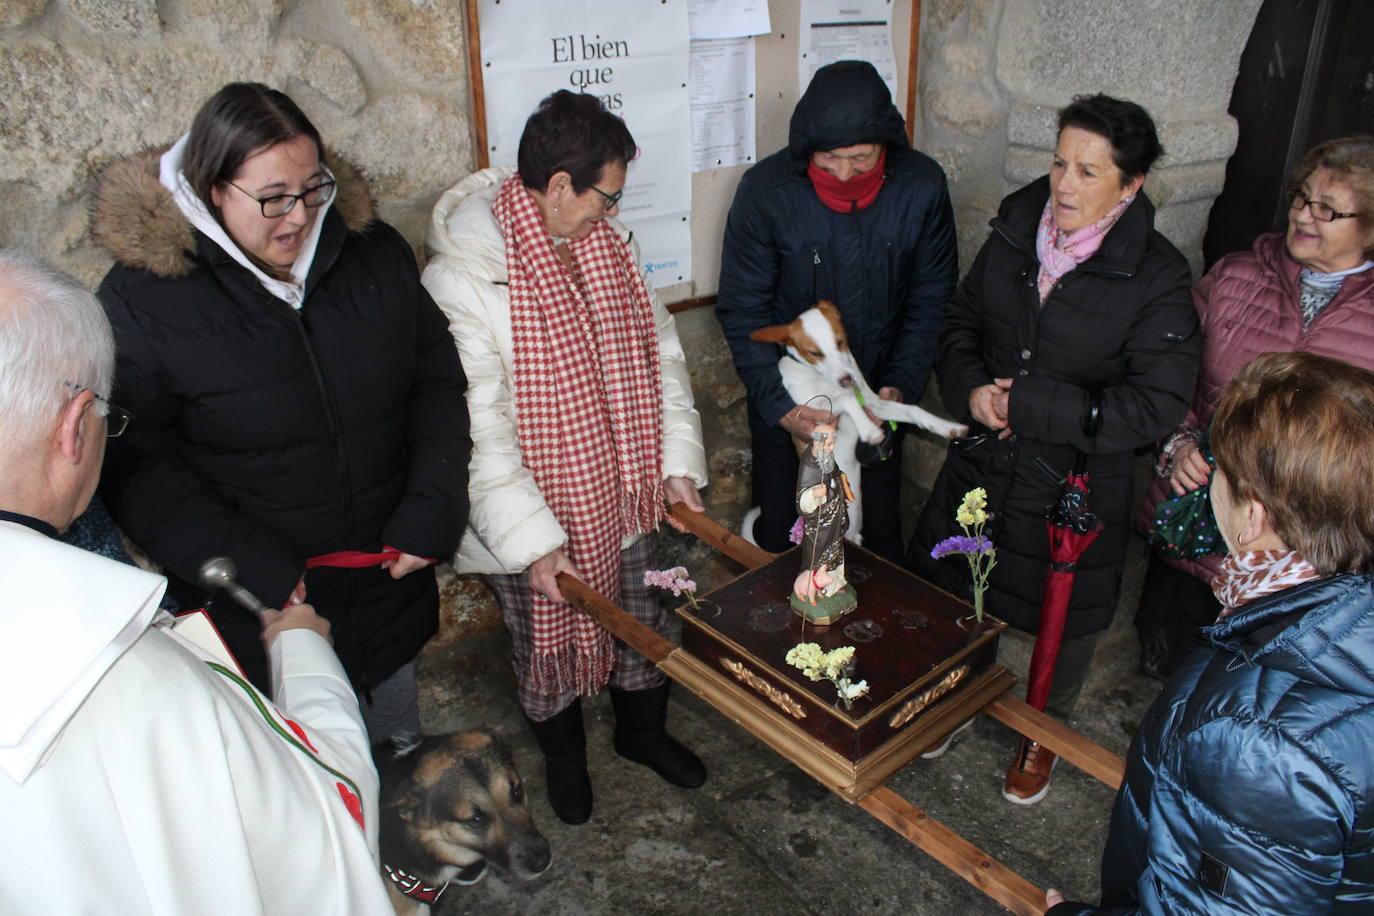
1295, 432
1351, 160
233, 124
572, 132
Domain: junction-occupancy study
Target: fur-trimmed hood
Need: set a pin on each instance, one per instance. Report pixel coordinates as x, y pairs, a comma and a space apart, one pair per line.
135, 219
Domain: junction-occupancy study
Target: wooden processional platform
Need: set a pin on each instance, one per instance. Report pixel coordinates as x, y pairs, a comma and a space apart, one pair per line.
928, 668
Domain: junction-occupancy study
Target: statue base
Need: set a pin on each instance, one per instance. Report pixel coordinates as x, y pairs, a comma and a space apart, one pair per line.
826, 610
927, 673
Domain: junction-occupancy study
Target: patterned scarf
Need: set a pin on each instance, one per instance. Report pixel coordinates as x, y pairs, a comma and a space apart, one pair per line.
588, 405
1060, 252
1318, 289
1253, 574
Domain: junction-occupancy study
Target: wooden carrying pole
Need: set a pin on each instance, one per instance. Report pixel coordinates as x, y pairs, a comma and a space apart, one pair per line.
984, 872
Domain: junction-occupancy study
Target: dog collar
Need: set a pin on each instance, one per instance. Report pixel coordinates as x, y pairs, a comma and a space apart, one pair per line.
414, 886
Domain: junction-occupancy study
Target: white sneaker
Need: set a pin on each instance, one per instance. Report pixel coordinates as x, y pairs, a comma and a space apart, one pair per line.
935, 752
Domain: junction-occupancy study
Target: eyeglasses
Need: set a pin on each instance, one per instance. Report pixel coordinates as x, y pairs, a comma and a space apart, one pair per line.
279, 205
1324, 212
116, 417
610, 199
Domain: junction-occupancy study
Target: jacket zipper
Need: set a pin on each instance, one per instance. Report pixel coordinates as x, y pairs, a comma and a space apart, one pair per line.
815, 268
891, 284
345, 480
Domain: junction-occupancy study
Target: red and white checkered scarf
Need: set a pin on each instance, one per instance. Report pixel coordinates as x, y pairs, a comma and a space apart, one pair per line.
588, 405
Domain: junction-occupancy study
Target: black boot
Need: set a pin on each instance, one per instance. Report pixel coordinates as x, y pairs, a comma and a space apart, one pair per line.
639, 736
564, 744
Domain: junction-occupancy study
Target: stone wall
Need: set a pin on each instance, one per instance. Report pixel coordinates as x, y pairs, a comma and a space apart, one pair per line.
85, 81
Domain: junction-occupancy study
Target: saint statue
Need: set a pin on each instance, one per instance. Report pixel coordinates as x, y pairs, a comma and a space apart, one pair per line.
820, 592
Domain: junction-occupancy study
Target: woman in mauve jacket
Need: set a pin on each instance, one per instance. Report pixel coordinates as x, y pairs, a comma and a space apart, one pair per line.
297, 402
1309, 288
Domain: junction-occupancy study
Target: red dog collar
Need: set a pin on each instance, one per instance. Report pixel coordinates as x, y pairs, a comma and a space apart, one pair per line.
414, 887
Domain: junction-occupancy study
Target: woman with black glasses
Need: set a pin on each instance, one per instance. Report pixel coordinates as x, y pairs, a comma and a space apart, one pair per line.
586, 429
1309, 288
298, 405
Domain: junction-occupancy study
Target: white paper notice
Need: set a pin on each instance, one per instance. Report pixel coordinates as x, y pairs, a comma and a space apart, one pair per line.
846, 30
728, 18
722, 88
632, 55
669, 237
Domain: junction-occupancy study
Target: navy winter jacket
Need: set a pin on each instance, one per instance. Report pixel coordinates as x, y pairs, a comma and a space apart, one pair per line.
889, 268
1250, 785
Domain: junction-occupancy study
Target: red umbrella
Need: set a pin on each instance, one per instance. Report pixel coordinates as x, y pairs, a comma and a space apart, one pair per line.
1072, 526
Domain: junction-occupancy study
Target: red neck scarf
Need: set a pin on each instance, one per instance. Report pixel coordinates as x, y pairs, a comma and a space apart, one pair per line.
852, 195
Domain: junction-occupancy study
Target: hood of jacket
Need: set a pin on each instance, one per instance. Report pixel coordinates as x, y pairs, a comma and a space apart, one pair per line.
846, 103
134, 217
1319, 631
462, 227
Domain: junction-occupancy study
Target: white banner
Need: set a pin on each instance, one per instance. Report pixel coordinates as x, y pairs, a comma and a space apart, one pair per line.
631, 54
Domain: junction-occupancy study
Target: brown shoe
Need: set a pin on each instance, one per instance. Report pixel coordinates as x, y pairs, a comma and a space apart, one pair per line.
1029, 777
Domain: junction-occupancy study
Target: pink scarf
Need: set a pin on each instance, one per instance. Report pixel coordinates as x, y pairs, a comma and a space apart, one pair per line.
1253, 574
588, 412
1060, 252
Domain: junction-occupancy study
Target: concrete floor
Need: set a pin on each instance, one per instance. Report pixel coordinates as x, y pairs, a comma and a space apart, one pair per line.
763, 838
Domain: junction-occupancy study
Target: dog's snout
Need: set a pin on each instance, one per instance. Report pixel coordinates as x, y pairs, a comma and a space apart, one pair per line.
532, 857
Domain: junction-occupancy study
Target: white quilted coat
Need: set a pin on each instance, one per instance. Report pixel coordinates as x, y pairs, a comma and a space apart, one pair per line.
510, 526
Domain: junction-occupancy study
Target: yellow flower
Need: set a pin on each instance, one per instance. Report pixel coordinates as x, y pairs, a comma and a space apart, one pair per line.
973, 510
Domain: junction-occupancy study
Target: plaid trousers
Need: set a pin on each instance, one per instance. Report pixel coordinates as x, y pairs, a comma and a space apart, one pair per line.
630, 671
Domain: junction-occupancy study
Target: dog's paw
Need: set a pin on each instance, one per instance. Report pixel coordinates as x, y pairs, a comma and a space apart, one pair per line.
956, 431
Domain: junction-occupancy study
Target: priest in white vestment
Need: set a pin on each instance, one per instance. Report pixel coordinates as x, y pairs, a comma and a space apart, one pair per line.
138, 772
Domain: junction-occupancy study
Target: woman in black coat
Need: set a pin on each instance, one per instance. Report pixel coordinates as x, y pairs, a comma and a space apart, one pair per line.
1073, 333
297, 400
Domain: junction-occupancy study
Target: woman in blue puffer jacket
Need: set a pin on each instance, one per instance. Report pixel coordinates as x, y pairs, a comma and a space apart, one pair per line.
1250, 785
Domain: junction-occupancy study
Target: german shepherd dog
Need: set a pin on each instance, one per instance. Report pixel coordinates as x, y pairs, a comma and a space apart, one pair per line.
450, 806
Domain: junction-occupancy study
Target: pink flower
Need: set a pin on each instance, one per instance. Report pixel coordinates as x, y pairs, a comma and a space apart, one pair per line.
674, 580
795, 535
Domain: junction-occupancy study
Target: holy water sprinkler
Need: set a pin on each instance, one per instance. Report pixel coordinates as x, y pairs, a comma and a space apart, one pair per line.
220, 573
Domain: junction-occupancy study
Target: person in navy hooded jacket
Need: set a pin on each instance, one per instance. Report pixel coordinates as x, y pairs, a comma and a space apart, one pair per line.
848, 212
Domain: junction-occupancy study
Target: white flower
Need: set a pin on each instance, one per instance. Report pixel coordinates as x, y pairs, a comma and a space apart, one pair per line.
850, 691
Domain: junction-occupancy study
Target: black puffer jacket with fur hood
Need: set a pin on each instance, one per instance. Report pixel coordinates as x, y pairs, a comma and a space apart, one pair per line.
271, 435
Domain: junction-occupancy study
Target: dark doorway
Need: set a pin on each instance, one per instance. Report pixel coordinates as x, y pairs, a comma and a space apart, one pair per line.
1306, 76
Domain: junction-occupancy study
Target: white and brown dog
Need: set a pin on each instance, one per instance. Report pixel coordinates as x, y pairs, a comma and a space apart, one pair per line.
818, 367
451, 806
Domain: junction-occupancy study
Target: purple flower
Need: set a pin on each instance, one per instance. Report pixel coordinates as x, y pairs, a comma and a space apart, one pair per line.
960, 544
795, 535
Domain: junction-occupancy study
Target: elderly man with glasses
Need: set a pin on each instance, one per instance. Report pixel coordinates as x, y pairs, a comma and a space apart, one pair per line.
138, 771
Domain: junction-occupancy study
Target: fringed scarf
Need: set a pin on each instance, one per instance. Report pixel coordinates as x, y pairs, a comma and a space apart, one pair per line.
1252, 574
588, 407
1060, 252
